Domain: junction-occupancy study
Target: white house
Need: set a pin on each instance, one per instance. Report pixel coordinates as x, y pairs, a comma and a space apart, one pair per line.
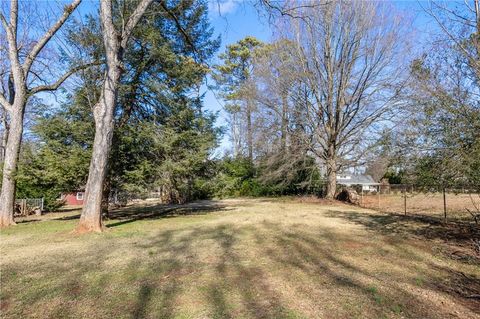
366, 181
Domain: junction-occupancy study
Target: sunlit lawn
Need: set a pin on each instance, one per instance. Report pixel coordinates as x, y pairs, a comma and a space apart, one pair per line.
236, 259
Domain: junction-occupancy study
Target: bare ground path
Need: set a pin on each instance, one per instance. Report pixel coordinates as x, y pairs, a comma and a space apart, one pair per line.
244, 258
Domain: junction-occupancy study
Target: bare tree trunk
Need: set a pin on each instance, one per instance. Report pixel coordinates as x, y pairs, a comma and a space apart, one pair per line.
477, 16
476, 41
249, 131
107, 188
236, 136
7, 197
91, 217
18, 94
331, 173
283, 128
6, 129
115, 43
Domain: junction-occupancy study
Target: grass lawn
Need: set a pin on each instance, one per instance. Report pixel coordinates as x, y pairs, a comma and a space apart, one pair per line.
249, 258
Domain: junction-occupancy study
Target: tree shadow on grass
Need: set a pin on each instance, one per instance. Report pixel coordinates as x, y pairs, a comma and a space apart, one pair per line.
319, 257
459, 235
26, 221
228, 279
70, 217
405, 225
240, 286
134, 213
161, 293
466, 287
236, 286
237, 275
144, 296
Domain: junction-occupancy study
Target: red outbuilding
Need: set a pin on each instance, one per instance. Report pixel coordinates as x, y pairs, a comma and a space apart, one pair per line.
73, 198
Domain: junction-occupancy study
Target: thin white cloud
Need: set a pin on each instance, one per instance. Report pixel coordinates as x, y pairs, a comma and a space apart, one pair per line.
222, 7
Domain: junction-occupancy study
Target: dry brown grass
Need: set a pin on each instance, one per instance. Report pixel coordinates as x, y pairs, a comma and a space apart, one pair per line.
257, 258
427, 204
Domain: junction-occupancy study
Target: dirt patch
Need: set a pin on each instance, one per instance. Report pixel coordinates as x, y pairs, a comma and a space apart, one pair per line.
315, 200
466, 287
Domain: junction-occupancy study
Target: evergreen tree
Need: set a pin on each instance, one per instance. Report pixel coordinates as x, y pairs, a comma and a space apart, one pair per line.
233, 79
163, 137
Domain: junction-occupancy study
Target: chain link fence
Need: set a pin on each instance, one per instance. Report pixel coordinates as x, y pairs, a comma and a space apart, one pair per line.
459, 203
122, 198
28, 206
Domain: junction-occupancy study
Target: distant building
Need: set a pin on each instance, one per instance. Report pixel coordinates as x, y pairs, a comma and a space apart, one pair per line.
366, 181
73, 198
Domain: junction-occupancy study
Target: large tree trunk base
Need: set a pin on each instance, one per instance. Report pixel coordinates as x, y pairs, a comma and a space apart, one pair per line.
348, 195
6, 223
83, 228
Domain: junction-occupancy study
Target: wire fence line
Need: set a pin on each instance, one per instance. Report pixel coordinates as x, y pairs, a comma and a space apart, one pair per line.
122, 198
454, 203
28, 206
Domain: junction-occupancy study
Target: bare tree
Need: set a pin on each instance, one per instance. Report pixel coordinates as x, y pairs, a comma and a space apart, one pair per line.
440, 143
18, 90
349, 67
461, 25
233, 79
279, 135
3, 132
274, 80
115, 42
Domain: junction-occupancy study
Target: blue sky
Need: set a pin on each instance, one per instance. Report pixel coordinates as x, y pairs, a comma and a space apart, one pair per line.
235, 19
232, 20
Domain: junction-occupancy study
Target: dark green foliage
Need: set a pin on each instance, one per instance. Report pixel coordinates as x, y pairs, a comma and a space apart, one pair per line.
57, 160
173, 157
394, 178
240, 177
163, 138
443, 139
34, 181
236, 177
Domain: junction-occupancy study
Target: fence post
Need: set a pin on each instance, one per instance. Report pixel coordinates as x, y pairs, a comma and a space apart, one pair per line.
361, 197
378, 194
444, 205
405, 199
24, 207
41, 205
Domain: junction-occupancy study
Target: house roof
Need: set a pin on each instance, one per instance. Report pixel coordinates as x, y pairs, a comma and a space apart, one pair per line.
357, 180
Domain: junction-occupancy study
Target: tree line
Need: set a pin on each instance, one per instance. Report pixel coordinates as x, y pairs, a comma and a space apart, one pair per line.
340, 86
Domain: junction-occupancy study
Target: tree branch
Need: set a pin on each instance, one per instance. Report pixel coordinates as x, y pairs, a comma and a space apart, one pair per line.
293, 12
11, 30
4, 103
63, 78
132, 21
4, 22
14, 17
179, 26
48, 35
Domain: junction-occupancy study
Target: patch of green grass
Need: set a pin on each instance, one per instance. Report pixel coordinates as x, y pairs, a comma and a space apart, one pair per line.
419, 281
379, 299
397, 308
